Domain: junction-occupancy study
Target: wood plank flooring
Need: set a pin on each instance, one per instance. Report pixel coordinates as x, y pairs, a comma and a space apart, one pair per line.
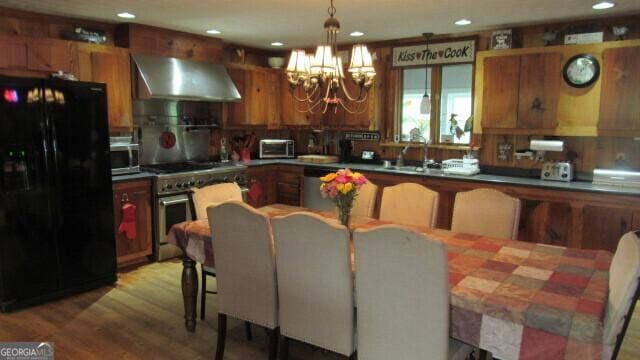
142, 318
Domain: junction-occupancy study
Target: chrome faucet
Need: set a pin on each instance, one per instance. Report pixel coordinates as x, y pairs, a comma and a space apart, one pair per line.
414, 136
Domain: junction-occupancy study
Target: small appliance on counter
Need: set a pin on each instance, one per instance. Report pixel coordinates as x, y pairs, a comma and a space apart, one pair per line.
277, 149
346, 147
124, 155
628, 178
557, 171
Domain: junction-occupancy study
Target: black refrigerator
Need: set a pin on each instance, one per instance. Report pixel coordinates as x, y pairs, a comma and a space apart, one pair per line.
56, 207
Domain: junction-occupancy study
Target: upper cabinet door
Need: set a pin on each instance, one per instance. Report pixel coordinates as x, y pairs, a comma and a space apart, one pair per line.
540, 79
359, 112
114, 69
50, 55
236, 112
620, 94
500, 92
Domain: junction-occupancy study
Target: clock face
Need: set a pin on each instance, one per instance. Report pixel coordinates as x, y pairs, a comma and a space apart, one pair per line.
581, 70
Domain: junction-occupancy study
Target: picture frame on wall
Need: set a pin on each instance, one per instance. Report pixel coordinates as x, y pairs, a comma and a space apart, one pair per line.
502, 39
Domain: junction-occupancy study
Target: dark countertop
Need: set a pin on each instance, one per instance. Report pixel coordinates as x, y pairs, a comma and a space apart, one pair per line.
583, 186
128, 177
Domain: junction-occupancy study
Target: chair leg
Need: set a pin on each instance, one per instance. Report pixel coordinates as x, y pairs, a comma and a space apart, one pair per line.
222, 335
203, 297
284, 348
273, 343
247, 330
482, 355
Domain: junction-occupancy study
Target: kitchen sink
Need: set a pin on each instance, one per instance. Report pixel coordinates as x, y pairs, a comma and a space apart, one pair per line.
412, 169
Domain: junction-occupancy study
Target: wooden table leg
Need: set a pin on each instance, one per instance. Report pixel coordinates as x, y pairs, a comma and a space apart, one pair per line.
189, 293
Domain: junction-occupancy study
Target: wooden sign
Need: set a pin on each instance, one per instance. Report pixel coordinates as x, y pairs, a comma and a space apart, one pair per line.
440, 53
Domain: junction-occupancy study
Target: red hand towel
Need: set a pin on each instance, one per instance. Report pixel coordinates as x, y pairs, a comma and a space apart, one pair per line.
255, 191
128, 222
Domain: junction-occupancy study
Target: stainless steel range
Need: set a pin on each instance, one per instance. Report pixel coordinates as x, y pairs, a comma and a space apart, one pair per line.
173, 184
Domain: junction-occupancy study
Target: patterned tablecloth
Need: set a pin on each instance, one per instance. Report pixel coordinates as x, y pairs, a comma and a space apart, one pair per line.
518, 300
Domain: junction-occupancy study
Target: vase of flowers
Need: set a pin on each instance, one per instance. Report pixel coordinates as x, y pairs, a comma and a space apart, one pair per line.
342, 187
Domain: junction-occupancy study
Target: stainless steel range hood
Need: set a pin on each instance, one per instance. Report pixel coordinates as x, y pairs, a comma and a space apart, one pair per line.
177, 79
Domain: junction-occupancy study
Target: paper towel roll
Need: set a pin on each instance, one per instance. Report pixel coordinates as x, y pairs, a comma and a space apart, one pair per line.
546, 145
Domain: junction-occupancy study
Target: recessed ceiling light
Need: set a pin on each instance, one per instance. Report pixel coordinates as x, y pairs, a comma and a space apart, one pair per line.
463, 22
277, 43
357, 33
213, 31
603, 5
126, 15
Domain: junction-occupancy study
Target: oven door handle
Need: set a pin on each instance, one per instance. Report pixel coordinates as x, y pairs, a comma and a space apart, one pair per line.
173, 202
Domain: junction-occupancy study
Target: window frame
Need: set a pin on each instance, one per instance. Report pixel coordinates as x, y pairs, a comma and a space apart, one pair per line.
436, 92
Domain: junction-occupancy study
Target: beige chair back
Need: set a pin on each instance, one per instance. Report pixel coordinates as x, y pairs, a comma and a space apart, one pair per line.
365, 202
409, 203
214, 195
315, 283
486, 212
245, 263
402, 295
624, 275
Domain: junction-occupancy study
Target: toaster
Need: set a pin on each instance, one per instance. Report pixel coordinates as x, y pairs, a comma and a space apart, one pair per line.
557, 170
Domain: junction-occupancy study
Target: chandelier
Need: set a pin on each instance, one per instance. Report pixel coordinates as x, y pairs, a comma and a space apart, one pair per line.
319, 78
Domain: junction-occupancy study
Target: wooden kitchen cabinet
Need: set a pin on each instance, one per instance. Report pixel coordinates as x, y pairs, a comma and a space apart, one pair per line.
501, 83
260, 91
292, 111
620, 96
262, 179
112, 66
50, 55
138, 193
14, 53
538, 90
603, 226
289, 180
521, 91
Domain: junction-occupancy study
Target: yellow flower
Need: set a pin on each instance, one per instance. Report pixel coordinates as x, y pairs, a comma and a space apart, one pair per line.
339, 187
329, 177
347, 188
356, 175
322, 186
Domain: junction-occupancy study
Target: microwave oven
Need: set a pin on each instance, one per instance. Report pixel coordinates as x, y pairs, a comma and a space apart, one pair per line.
275, 148
125, 159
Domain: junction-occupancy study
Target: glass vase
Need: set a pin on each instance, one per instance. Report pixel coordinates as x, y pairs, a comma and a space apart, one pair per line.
344, 214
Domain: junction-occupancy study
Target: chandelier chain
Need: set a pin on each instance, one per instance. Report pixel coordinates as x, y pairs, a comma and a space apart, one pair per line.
331, 9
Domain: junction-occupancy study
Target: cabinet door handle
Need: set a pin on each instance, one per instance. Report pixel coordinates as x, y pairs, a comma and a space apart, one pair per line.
537, 105
124, 198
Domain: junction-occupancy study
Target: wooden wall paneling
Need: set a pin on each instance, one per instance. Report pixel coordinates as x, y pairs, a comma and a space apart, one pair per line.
538, 91
500, 91
635, 225
620, 100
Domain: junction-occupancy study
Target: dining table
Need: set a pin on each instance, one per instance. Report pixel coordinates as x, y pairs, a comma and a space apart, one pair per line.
515, 299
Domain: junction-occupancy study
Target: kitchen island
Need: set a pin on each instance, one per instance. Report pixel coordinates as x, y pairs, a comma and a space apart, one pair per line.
577, 214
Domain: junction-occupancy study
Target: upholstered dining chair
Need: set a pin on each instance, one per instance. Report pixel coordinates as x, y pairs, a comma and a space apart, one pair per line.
486, 212
402, 295
202, 198
409, 203
624, 292
245, 267
315, 283
365, 202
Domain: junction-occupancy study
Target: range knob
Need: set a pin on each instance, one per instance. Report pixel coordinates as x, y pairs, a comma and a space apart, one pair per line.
178, 185
225, 179
191, 183
547, 174
169, 187
199, 182
236, 178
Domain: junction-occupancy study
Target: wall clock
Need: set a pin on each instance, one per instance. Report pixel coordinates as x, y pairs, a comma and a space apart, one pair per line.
581, 70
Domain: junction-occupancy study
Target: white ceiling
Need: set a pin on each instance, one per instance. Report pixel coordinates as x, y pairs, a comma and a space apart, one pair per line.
299, 22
